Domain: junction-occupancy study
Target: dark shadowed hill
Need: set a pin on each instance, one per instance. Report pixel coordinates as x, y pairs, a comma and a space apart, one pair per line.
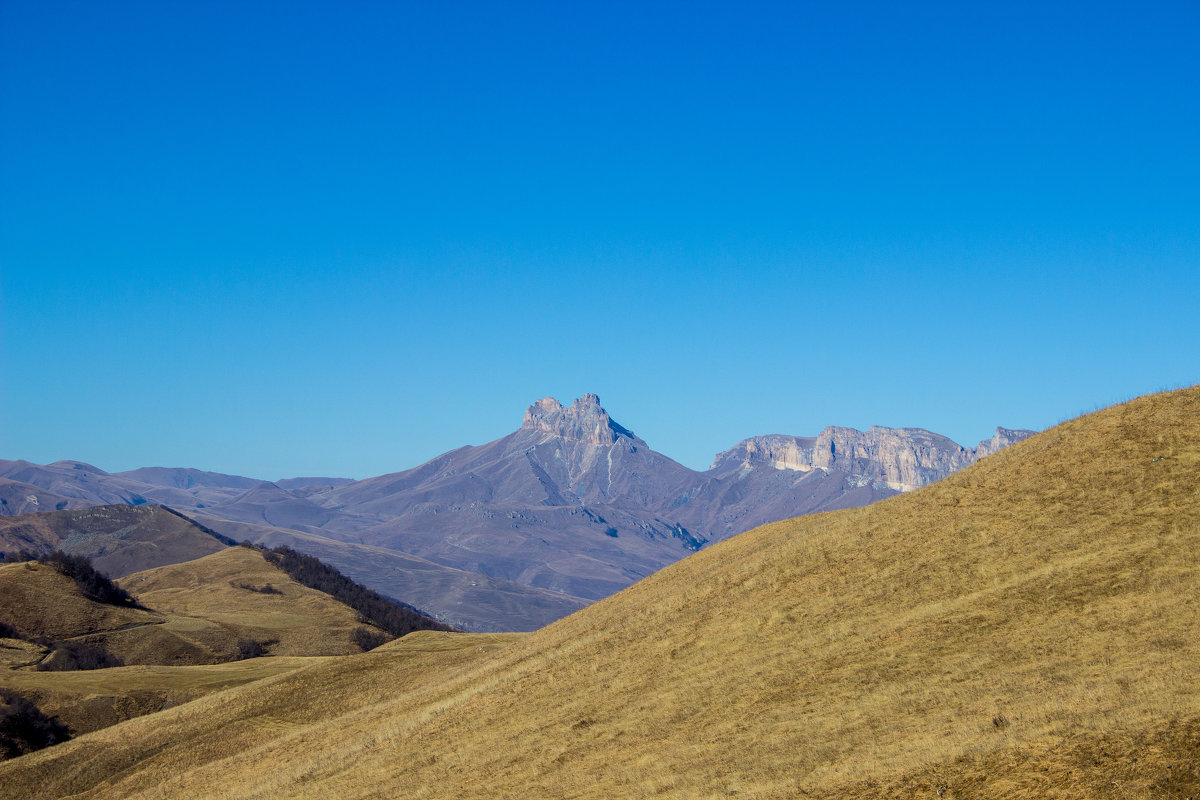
117, 539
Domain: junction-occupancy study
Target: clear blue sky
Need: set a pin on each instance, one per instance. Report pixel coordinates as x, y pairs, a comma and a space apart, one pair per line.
293, 238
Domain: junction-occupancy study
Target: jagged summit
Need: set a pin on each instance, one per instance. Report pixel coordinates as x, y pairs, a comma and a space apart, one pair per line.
583, 421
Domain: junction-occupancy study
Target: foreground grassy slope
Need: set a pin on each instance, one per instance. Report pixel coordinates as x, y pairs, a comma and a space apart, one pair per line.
1026, 628
244, 719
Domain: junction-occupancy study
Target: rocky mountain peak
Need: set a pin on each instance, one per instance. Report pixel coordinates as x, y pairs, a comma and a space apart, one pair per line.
584, 421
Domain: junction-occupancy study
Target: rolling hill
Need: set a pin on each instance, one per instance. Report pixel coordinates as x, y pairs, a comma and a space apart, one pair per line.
196, 612
1026, 628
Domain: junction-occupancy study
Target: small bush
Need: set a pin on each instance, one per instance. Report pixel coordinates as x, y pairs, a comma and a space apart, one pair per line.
268, 589
70, 656
368, 639
8, 631
254, 648
24, 728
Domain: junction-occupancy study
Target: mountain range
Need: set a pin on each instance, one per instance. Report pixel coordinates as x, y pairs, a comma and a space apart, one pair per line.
569, 508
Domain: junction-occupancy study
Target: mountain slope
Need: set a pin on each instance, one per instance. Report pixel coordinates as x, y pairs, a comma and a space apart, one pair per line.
118, 539
1026, 628
185, 478
25, 498
576, 503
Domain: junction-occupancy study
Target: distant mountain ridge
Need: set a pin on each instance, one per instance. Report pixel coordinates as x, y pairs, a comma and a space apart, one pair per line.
902, 459
572, 502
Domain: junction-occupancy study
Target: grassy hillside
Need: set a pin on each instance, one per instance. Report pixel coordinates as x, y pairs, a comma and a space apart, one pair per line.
37, 600
238, 595
88, 700
1026, 628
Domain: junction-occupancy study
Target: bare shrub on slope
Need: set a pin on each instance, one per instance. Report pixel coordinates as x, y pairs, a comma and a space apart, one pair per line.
92, 583
24, 728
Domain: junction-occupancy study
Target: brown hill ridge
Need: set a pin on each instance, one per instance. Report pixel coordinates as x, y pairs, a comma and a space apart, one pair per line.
117, 539
194, 613
1027, 628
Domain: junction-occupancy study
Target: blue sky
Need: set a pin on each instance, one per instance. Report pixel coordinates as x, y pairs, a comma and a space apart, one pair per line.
282, 239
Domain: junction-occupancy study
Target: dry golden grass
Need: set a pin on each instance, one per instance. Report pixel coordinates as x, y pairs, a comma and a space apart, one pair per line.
245, 718
88, 700
38, 601
1026, 628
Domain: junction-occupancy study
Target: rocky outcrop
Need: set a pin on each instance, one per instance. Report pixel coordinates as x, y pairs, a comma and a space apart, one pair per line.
1001, 439
583, 421
900, 459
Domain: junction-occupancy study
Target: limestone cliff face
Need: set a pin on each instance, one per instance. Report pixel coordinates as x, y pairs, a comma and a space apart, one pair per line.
583, 421
1001, 439
901, 459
